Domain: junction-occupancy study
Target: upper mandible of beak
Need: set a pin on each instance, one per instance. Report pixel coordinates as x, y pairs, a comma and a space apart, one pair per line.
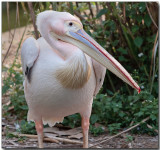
89, 46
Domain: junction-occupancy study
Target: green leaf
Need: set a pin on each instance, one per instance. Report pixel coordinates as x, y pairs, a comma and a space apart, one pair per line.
102, 12
94, 118
47, 5
122, 58
129, 138
107, 33
121, 114
147, 20
151, 38
139, 18
142, 7
138, 41
121, 50
153, 117
135, 28
115, 43
24, 107
139, 114
5, 88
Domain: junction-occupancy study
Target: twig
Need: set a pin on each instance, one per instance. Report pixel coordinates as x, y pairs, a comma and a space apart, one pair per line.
153, 54
81, 17
18, 19
152, 128
97, 10
24, 8
53, 139
35, 136
154, 63
67, 140
97, 7
12, 142
124, 12
8, 19
151, 16
12, 38
90, 8
104, 140
77, 5
33, 19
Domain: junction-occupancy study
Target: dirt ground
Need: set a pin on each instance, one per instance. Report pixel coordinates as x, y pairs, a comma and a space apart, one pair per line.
8, 124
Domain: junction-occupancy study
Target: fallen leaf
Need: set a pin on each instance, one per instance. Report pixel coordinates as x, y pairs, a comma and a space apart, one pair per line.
33, 140
50, 129
50, 135
76, 136
63, 132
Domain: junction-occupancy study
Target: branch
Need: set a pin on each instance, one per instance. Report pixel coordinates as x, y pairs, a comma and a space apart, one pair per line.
152, 128
81, 17
107, 139
153, 54
151, 16
53, 139
12, 36
33, 19
124, 13
9, 29
90, 8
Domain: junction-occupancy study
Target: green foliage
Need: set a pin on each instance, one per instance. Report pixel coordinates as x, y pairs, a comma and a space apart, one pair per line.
96, 130
114, 127
119, 110
26, 127
129, 138
102, 12
13, 86
138, 41
72, 120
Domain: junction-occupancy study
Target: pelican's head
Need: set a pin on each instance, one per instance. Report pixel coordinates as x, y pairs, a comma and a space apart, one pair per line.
64, 26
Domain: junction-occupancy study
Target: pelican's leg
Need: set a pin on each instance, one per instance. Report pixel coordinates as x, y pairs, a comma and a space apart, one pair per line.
85, 128
39, 129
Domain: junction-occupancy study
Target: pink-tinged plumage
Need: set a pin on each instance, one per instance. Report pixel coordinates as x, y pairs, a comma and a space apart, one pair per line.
63, 70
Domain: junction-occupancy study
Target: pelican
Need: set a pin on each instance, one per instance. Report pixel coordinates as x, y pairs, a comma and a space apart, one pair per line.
64, 69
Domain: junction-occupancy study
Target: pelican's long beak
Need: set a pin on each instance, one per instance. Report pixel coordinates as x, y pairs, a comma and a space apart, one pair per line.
89, 46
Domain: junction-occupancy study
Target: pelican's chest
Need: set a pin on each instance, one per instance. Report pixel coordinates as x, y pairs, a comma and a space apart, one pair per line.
75, 72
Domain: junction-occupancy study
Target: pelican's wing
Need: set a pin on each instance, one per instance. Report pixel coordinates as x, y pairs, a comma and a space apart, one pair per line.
100, 72
29, 54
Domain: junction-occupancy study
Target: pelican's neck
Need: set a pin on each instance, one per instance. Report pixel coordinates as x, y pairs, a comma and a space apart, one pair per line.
63, 49
75, 72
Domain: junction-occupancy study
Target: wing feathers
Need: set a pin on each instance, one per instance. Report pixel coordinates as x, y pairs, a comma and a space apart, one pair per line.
100, 72
29, 54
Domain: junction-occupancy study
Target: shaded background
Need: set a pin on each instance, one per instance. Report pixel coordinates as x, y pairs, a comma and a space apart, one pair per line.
128, 31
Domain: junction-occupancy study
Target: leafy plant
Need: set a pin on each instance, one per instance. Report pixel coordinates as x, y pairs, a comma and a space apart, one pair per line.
26, 127
14, 88
129, 138
96, 130
72, 120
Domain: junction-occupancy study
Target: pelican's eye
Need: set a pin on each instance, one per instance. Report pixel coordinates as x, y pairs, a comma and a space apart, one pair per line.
70, 24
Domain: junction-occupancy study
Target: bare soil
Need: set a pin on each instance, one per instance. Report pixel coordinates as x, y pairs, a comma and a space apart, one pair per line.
139, 141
